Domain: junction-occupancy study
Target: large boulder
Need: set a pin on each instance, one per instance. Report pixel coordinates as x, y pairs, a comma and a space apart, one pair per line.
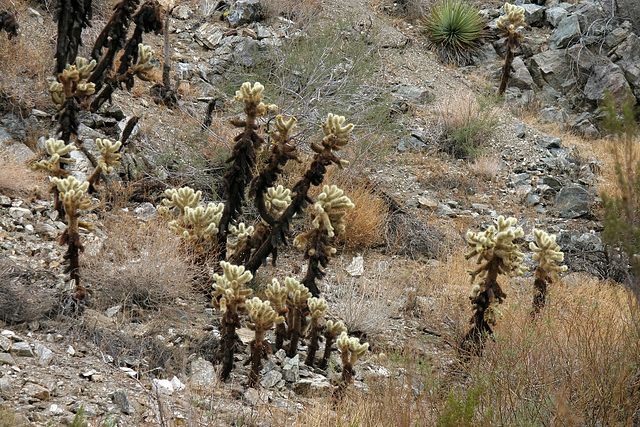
607, 76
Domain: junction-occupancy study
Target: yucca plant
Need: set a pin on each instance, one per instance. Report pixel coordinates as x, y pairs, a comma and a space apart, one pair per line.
454, 30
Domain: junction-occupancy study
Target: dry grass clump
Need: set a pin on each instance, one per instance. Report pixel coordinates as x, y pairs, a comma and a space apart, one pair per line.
466, 122
485, 167
138, 265
24, 295
16, 179
25, 61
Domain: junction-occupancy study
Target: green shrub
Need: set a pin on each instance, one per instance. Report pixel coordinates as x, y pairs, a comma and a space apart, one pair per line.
454, 30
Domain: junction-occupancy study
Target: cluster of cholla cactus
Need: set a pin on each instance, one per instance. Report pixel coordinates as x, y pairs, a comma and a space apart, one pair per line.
291, 310
509, 24
497, 254
196, 223
546, 252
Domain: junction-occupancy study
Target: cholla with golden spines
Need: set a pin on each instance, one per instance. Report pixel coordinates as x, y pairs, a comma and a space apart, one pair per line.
57, 149
142, 67
252, 98
277, 200
546, 252
497, 243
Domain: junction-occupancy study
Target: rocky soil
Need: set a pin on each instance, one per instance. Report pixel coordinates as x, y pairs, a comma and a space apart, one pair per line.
107, 361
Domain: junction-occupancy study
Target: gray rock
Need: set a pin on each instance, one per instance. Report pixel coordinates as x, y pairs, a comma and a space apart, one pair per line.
572, 202
291, 369
121, 399
549, 142
549, 67
568, 30
208, 35
270, 379
520, 78
202, 373
182, 12
607, 76
22, 349
7, 359
313, 387
244, 12
553, 115
533, 14
554, 15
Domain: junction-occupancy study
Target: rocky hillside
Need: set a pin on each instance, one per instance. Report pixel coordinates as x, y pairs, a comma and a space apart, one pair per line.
141, 348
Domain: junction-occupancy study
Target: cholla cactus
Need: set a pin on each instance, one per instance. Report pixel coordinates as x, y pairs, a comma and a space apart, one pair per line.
546, 254
350, 351
263, 318
73, 195
277, 295
498, 254
277, 200
108, 160
229, 296
509, 23
331, 332
142, 67
328, 220
252, 98
317, 307
297, 296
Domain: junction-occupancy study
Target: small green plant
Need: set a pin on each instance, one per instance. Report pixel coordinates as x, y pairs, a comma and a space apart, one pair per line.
546, 254
509, 24
497, 254
454, 30
622, 210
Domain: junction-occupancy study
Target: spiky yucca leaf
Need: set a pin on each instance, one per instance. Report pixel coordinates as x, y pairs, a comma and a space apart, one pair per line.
455, 30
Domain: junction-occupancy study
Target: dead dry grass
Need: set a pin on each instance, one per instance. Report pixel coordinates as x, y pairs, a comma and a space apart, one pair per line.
18, 180
26, 61
138, 265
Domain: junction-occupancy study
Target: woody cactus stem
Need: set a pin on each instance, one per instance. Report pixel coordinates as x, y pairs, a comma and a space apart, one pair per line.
317, 307
350, 351
73, 196
229, 297
277, 295
263, 318
494, 247
243, 156
147, 19
331, 333
73, 16
328, 220
336, 137
297, 298
546, 254
112, 37
509, 23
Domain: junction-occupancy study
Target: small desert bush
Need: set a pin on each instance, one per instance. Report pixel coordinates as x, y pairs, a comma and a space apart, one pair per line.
137, 265
25, 62
467, 122
454, 29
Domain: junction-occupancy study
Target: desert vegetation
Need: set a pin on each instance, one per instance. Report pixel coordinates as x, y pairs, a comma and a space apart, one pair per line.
283, 262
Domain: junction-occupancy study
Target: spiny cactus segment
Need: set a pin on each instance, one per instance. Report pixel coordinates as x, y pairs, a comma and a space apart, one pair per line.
546, 252
229, 296
350, 351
